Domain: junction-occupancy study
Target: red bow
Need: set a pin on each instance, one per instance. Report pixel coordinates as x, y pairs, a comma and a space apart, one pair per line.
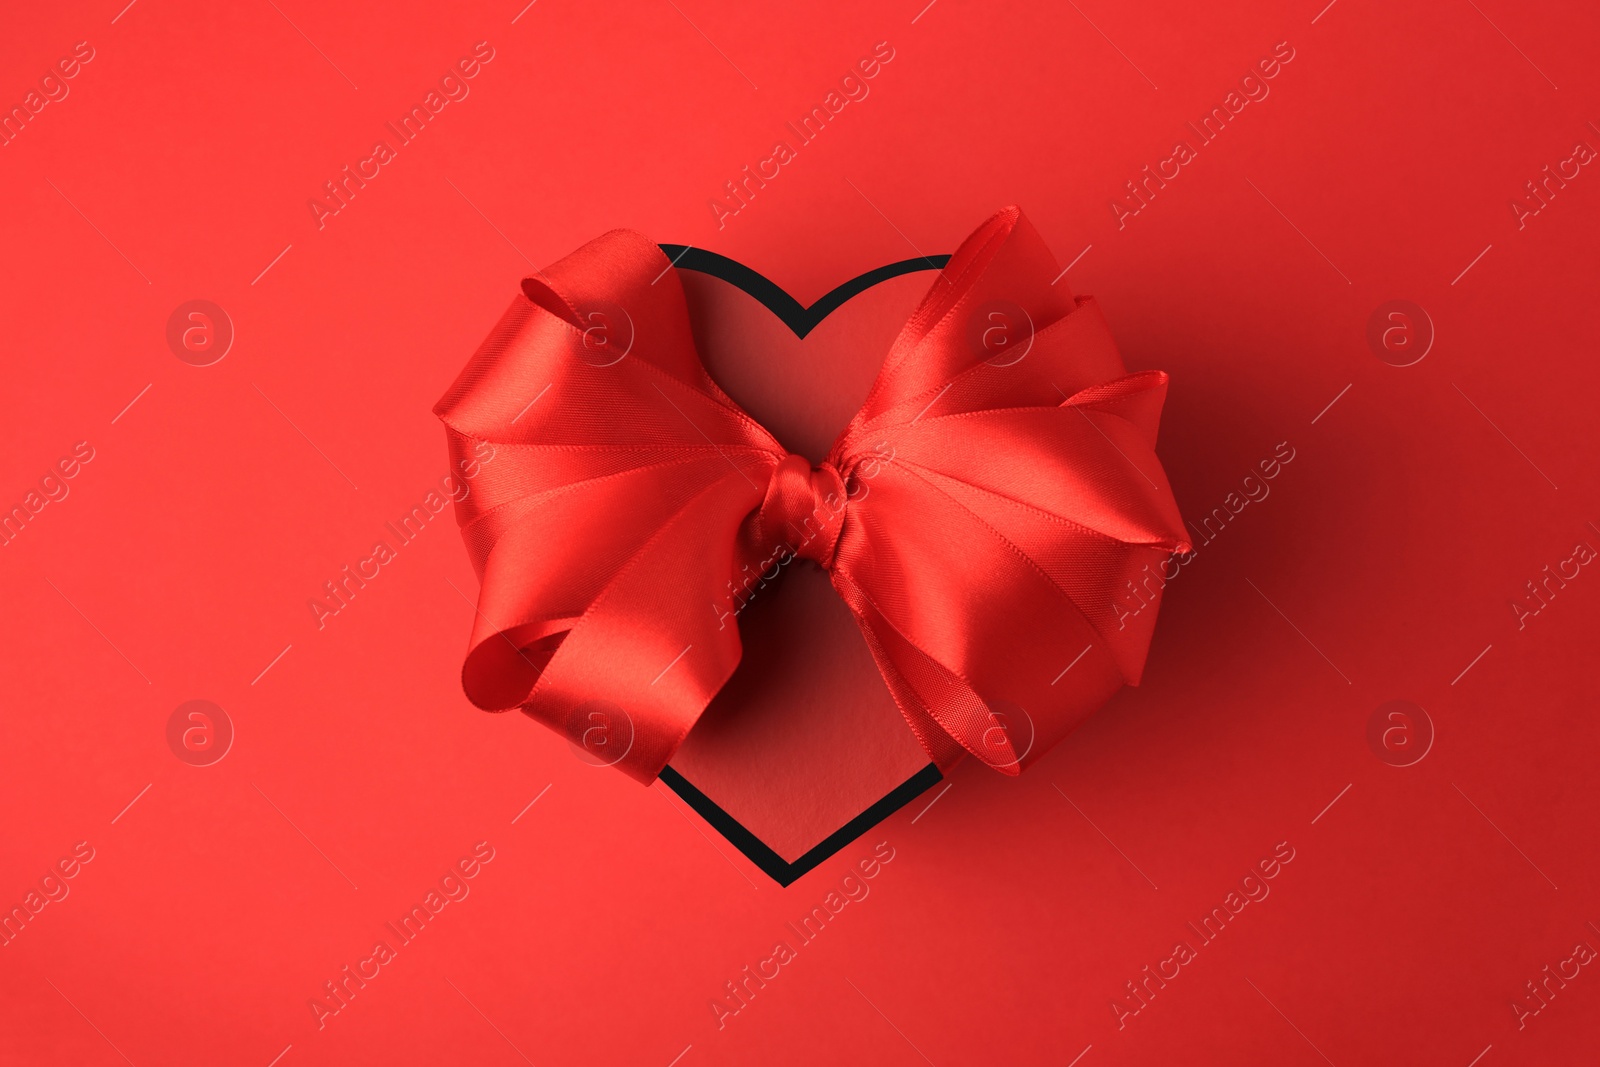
984, 518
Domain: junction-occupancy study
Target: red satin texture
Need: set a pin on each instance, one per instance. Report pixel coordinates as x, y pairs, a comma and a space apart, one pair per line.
978, 519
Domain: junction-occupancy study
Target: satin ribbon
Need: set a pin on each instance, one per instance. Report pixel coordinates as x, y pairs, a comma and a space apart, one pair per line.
980, 516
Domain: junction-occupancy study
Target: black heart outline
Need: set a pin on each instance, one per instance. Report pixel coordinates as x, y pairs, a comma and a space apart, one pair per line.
801, 320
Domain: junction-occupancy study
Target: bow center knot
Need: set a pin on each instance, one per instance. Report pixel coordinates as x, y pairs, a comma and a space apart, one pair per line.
803, 510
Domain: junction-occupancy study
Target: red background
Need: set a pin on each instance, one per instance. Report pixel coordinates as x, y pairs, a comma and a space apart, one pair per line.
1416, 508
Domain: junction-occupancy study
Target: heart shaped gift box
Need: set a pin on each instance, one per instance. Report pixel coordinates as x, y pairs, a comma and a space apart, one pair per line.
822, 699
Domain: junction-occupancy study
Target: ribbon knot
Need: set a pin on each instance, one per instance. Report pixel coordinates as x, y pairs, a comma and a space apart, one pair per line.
999, 530
802, 514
